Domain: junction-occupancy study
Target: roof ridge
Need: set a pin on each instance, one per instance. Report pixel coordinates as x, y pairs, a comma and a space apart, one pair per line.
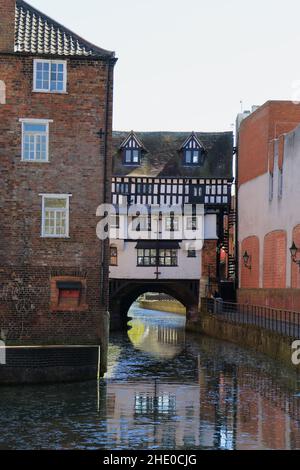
93, 49
175, 132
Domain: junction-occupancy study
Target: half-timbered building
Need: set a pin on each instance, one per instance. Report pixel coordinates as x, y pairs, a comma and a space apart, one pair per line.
171, 169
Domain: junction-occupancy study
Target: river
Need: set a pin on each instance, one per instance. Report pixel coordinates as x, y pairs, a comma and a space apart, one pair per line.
164, 389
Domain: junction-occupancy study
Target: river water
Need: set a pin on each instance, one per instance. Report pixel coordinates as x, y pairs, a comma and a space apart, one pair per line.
164, 389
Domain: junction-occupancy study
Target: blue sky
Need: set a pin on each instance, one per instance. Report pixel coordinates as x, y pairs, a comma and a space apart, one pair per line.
187, 64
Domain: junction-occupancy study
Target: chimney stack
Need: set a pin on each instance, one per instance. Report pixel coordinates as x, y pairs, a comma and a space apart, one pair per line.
7, 25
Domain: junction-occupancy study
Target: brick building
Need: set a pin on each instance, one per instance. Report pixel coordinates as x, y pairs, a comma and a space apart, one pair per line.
170, 171
56, 92
269, 214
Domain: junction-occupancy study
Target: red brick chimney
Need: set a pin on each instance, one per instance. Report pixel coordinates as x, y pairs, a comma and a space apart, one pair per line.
7, 25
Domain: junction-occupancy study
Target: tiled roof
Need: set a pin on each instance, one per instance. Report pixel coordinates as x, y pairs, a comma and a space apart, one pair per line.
36, 33
164, 158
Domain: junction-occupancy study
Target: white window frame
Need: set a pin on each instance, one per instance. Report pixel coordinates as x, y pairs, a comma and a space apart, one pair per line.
50, 62
66, 197
172, 220
43, 122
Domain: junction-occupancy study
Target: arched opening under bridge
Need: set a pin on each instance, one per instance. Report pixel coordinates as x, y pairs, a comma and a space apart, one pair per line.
124, 293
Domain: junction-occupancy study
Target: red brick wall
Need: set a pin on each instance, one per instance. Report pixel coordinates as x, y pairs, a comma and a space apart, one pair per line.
25, 313
209, 258
280, 151
288, 299
76, 166
267, 123
7, 25
275, 257
250, 277
295, 274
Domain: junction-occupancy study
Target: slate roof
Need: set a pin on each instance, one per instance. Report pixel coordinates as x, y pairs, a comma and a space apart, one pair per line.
36, 33
164, 155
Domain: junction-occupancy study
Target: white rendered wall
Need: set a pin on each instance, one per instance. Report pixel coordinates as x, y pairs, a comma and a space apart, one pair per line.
258, 216
188, 268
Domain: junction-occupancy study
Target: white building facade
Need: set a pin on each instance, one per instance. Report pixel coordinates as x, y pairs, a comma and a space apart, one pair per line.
176, 188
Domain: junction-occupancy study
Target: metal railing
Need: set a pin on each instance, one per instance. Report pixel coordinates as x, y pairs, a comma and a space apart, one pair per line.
283, 322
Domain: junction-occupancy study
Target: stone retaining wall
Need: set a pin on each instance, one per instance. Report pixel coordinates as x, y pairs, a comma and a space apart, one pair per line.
272, 344
24, 365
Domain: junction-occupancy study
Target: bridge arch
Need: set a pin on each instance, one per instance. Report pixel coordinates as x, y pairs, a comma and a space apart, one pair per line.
124, 293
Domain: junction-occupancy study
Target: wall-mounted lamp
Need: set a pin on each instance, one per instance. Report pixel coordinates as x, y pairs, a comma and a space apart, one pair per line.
247, 260
294, 250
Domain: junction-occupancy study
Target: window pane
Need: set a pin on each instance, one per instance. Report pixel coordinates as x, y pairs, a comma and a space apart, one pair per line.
135, 156
195, 156
128, 156
35, 127
188, 156
54, 203
60, 86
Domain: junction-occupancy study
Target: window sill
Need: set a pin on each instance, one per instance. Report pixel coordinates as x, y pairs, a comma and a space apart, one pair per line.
34, 161
55, 237
50, 92
139, 266
61, 310
192, 165
131, 164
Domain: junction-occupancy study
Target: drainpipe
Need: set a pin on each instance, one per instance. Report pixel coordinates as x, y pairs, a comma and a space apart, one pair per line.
105, 245
110, 66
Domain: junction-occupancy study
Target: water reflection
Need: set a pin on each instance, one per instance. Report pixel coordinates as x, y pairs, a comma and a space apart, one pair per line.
204, 394
162, 339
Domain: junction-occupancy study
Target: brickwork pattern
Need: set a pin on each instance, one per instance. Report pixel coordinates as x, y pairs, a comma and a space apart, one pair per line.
76, 166
209, 259
275, 258
295, 274
7, 25
250, 277
261, 127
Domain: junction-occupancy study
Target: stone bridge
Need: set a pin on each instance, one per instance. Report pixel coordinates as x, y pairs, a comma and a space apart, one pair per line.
124, 292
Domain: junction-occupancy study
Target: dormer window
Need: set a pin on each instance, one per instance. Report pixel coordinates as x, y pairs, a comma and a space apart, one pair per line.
193, 151
132, 156
132, 150
192, 157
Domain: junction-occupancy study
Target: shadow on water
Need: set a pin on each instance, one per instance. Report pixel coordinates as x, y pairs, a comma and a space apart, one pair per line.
164, 389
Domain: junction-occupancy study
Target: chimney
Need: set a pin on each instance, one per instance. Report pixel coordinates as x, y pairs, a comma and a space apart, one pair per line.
7, 25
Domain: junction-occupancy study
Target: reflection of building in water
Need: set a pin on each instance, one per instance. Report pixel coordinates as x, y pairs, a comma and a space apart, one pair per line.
231, 407
155, 406
278, 425
247, 411
158, 340
167, 335
152, 410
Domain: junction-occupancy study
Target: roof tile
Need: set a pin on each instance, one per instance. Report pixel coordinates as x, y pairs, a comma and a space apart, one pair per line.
36, 33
